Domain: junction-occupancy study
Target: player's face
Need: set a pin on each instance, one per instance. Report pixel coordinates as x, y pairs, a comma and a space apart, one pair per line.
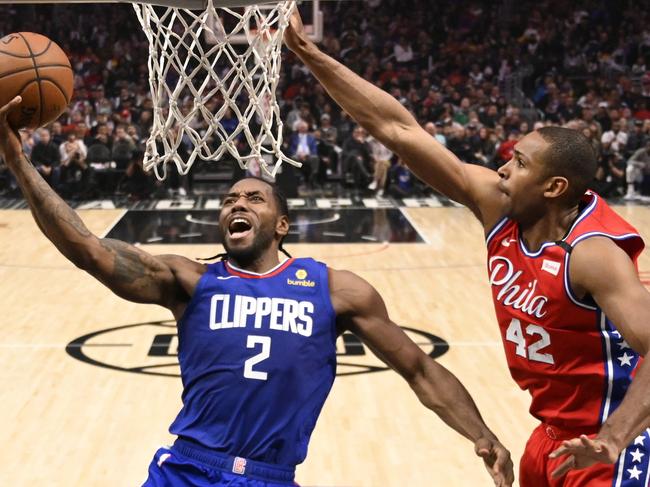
249, 220
523, 179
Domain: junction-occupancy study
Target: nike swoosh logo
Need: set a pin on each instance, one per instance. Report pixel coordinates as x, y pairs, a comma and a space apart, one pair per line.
507, 241
225, 278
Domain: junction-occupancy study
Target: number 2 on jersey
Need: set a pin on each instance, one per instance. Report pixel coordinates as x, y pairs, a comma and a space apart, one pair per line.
253, 340
515, 335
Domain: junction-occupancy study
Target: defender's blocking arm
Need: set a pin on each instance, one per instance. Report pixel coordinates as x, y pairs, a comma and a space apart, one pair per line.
361, 310
128, 271
392, 124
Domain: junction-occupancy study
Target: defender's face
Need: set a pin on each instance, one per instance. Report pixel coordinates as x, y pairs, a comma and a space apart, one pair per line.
523, 177
249, 219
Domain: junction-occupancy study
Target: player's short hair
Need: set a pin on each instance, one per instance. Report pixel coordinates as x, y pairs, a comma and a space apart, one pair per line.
570, 155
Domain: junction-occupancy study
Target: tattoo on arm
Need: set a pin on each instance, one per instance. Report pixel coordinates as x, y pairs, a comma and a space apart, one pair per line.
129, 265
67, 215
49, 210
126, 270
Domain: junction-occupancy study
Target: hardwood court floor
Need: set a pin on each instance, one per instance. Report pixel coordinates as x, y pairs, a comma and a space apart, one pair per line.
69, 423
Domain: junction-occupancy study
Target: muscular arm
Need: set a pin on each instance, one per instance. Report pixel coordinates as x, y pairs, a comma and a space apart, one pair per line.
615, 286
619, 293
128, 271
392, 124
361, 310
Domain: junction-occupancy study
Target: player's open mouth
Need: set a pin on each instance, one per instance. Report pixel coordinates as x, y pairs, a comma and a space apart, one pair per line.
239, 227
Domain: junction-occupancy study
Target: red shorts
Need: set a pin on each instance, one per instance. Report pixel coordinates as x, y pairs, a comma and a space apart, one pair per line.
631, 470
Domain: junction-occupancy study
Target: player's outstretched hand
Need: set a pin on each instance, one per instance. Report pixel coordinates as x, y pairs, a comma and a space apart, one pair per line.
582, 453
294, 35
497, 461
10, 145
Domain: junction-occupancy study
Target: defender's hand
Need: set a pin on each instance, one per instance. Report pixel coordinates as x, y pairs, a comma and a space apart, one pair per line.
10, 146
294, 35
497, 461
583, 452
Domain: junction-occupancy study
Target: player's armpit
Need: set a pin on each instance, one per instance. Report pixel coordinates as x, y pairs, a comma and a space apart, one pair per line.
600, 268
361, 310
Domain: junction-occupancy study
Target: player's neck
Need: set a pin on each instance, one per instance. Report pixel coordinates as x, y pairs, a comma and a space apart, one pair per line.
551, 227
259, 265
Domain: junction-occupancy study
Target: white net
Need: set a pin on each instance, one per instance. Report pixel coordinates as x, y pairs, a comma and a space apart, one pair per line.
213, 96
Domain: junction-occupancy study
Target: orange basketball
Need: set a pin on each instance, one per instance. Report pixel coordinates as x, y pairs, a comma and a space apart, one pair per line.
36, 68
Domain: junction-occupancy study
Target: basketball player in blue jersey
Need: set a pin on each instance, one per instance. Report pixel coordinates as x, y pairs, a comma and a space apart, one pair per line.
256, 337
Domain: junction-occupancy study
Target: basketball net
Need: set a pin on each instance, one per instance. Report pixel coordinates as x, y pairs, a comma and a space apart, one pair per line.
210, 95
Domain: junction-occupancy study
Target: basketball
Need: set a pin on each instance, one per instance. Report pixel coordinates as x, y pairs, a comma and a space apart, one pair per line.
37, 69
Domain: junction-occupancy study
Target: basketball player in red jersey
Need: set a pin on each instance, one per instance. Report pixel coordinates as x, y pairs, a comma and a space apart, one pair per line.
572, 312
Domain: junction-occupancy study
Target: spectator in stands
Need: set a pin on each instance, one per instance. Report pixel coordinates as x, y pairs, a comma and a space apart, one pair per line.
484, 148
459, 143
637, 139
229, 121
344, 128
46, 157
615, 139
132, 131
303, 148
614, 165
637, 168
594, 140
602, 116
403, 52
328, 150
293, 117
122, 148
56, 133
76, 180
381, 157
357, 159
432, 129
401, 182
99, 151
137, 184
145, 123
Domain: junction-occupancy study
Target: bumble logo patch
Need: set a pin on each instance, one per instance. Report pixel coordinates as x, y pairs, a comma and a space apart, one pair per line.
301, 279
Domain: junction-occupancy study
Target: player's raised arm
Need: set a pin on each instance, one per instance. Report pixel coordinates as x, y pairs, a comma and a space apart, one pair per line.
361, 310
128, 271
392, 124
616, 288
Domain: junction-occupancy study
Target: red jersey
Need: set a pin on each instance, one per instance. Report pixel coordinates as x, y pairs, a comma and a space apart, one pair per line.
563, 350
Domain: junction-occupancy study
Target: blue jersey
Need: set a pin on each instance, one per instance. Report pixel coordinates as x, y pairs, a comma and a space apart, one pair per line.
258, 359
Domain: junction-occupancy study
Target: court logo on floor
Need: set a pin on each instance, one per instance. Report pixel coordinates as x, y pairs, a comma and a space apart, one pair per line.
151, 348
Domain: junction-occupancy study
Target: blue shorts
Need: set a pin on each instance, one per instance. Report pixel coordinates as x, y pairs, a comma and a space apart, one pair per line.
186, 464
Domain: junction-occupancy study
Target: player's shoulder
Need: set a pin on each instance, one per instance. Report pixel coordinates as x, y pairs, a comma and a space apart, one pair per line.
488, 203
350, 292
179, 263
598, 220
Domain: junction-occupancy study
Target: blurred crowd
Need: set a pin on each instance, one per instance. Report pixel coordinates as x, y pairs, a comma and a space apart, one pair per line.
477, 75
